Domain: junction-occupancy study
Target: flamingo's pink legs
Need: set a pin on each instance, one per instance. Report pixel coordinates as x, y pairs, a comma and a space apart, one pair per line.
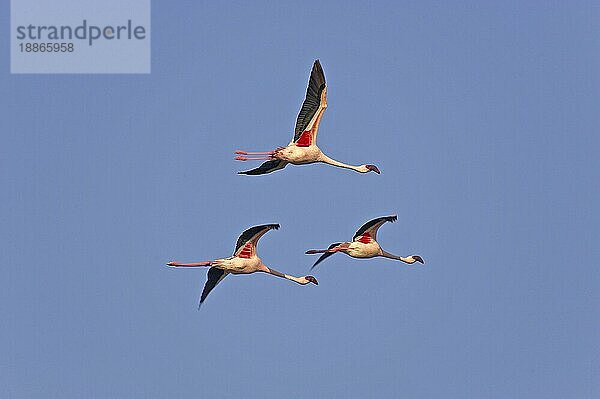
240, 158
262, 155
322, 251
340, 247
239, 152
197, 264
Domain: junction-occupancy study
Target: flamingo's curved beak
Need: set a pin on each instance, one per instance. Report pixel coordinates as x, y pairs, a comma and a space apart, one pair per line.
417, 258
373, 168
312, 280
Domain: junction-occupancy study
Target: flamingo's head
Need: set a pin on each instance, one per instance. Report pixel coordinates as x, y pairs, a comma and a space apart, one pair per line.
417, 258
369, 168
311, 279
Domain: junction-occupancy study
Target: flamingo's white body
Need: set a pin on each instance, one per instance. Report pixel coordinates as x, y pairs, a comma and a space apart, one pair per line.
244, 261
303, 148
357, 249
364, 244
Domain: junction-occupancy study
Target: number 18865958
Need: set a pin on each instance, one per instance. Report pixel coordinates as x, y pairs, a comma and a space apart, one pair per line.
46, 47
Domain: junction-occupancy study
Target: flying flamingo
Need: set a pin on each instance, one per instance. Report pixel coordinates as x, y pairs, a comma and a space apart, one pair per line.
303, 147
244, 261
364, 244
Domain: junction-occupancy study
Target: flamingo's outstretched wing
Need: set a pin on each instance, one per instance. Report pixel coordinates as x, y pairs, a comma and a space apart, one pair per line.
267, 167
215, 275
245, 246
369, 229
314, 102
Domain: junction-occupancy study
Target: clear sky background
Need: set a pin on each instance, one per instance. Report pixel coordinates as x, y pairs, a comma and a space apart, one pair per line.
484, 120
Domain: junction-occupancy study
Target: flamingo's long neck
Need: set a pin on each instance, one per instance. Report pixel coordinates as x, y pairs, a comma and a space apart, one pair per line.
402, 258
325, 159
283, 275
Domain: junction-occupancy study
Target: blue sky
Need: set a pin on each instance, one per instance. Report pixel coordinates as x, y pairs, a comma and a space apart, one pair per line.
484, 120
